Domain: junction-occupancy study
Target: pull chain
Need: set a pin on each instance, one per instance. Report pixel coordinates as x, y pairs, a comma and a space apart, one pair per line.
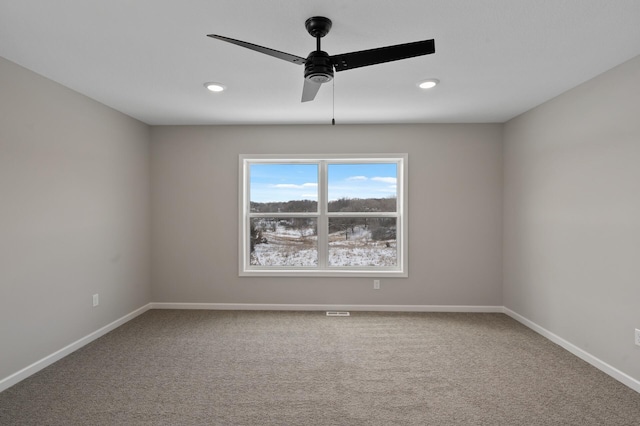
333, 100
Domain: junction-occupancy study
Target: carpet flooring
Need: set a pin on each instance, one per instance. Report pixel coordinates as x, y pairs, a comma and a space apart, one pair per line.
172, 367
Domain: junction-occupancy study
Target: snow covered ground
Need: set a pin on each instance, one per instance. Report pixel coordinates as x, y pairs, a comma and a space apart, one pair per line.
288, 247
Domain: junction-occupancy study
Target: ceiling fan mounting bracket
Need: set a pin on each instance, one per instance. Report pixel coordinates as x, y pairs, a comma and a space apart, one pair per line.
318, 26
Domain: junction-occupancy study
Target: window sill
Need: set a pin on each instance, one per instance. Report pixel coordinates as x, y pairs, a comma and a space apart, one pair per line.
283, 273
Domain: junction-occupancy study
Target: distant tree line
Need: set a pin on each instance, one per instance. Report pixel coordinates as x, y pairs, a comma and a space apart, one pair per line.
295, 206
363, 205
340, 205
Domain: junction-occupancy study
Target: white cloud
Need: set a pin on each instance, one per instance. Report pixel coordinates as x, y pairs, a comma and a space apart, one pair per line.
294, 186
385, 179
357, 178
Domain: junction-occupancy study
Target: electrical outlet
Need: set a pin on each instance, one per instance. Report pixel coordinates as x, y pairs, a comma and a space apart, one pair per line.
96, 300
376, 284
637, 337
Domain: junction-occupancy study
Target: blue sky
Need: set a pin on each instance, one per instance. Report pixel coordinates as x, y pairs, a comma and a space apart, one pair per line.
285, 182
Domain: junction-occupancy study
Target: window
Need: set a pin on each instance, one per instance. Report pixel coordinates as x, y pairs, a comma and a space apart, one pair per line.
323, 216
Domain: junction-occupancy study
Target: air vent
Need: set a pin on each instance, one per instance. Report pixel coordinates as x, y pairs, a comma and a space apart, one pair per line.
338, 314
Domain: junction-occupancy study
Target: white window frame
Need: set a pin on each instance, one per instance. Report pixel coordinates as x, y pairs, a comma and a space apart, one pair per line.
323, 270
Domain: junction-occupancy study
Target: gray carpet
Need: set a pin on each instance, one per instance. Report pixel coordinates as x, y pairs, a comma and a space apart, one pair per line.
303, 368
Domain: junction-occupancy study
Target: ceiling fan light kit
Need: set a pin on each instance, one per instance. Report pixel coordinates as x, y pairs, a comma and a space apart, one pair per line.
428, 84
215, 87
319, 66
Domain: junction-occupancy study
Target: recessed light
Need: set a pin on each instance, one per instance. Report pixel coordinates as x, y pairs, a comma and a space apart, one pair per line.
428, 84
215, 87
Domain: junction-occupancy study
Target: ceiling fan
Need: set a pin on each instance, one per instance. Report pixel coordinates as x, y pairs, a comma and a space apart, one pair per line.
319, 65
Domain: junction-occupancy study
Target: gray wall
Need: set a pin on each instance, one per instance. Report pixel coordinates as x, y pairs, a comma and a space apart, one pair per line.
572, 216
73, 216
455, 202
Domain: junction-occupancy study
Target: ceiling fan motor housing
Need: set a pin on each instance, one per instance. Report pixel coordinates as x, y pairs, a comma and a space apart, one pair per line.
318, 67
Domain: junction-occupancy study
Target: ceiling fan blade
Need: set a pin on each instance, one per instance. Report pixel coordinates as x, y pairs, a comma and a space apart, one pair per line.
380, 55
271, 52
310, 90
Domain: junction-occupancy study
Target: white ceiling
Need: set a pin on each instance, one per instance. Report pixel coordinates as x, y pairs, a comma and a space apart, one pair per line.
150, 58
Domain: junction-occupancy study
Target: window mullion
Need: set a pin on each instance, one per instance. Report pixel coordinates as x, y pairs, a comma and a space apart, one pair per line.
363, 214
284, 215
323, 223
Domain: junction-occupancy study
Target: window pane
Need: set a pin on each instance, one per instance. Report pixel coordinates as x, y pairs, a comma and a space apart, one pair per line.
283, 241
362, 187
283, 188
362, 241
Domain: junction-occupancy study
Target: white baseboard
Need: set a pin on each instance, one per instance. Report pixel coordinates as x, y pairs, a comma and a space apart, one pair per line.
585, 356
50, 359
311, 307
11, 380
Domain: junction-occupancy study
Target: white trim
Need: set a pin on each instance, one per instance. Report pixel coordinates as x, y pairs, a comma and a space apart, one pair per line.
580, 353
309, 307
11, 380
618, 375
